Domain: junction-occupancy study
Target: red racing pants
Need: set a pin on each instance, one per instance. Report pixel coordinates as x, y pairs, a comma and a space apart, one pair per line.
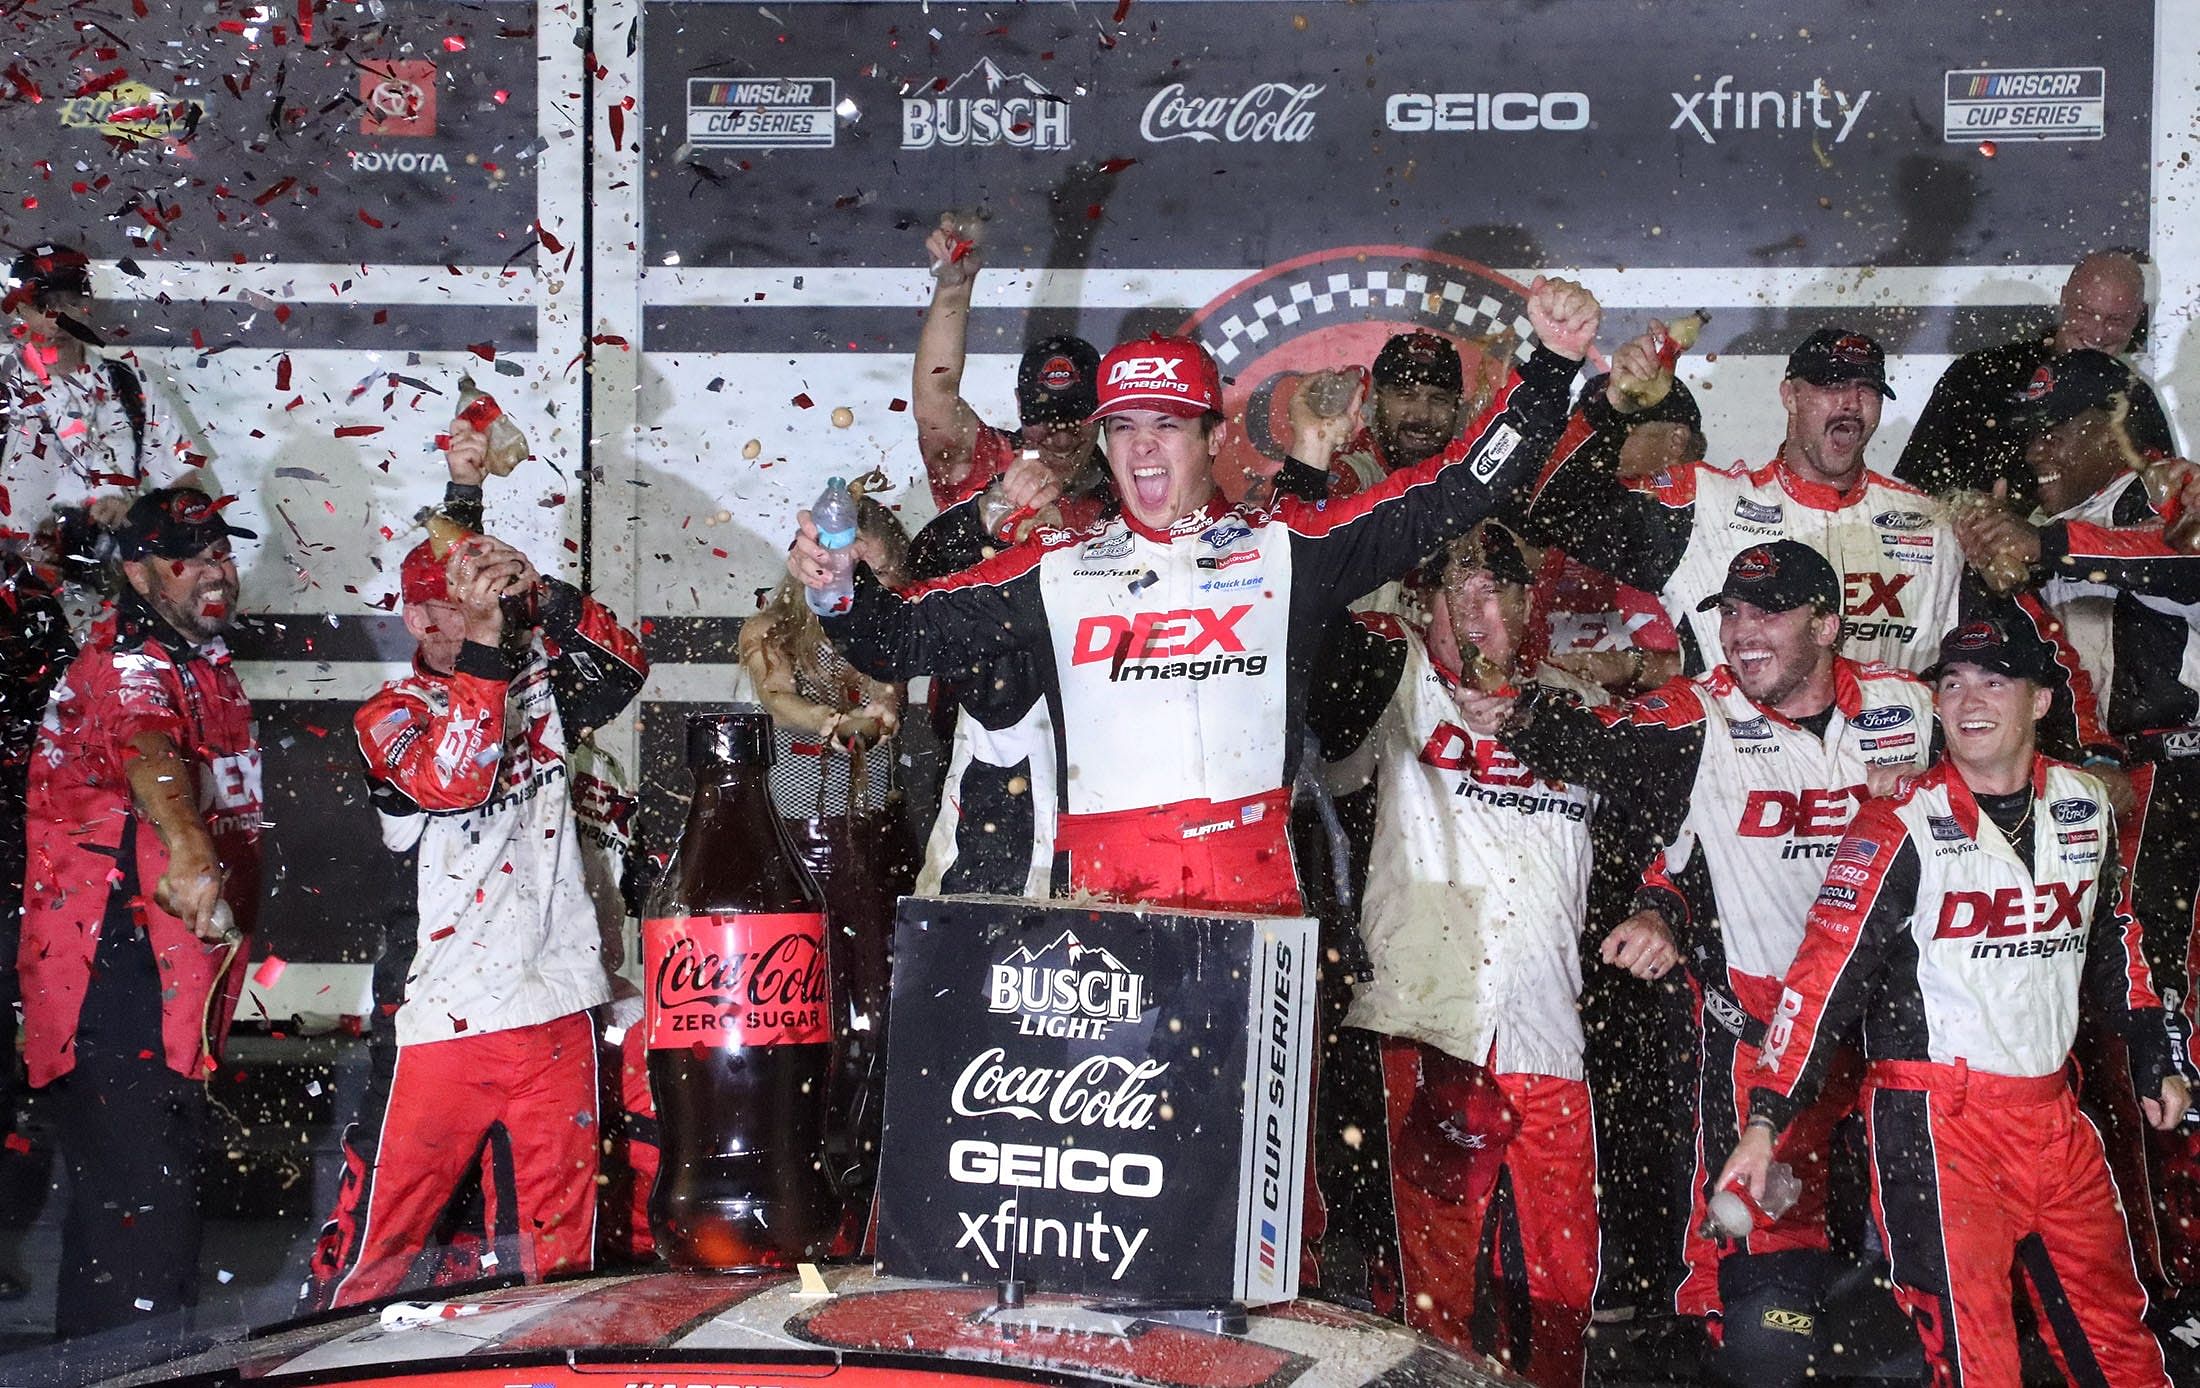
1228, 856
1496, 1223
1975, 1174
519, 1106
1722, 1106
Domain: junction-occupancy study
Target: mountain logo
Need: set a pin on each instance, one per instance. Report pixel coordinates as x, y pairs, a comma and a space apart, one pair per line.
1067, 989
985, 107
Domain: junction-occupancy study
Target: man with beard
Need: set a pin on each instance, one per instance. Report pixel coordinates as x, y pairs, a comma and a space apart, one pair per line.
1900, 569
964, 455
145, 810
1746, 775
1966, 437
1415, 408
1963, 919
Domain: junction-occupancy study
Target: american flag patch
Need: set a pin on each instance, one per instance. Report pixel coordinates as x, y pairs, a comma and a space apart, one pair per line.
1857, 851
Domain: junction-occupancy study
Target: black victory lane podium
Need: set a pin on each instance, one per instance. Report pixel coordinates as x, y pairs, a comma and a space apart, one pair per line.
1098, 1100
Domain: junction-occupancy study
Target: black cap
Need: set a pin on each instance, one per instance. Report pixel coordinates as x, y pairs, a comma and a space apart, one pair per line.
1678, 407
175, 523
2000, 647
2067, 386
1779, 577
1837, 356
1419, 359
738, 736
1058, 381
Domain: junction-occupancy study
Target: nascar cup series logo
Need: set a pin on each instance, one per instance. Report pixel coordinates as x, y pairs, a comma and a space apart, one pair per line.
1067, 989
1335, 309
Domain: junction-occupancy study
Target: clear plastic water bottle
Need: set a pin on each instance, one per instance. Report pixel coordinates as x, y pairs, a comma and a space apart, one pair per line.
1734, 1215
834, 515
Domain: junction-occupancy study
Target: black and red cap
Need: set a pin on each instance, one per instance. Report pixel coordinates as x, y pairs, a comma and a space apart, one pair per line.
1056, 383
2068, 385
1419, 358
176, 523
1838, 356
1779, 576
1998, 646
48, 269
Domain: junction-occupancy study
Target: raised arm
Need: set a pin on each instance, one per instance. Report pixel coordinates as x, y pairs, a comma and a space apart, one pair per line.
1580, 505
947, 428
596, 664
1345, 549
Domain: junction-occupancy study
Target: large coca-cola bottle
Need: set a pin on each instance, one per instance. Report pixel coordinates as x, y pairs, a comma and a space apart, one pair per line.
739, 1021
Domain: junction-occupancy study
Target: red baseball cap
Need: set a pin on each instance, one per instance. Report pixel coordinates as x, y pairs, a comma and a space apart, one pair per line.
422, 578
1171, 374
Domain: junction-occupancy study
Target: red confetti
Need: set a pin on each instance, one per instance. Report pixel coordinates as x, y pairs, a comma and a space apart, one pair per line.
804, 402
618, 128
271, 968
1115, 165
281, 187
897, 405
1122, 9
549, 243
487, 351
354, 431
96, 85
282, 372
16, 1142
452, 43
305, 21
370, 221
444, 934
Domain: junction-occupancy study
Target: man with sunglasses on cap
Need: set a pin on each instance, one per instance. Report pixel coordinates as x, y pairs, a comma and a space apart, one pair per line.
79, 432
1747, 777
467, 761
144, 866
1899, 566
1051, 454
1176, 641
1965, 917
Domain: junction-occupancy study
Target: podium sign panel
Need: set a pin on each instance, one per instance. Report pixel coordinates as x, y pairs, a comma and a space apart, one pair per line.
1097, 1100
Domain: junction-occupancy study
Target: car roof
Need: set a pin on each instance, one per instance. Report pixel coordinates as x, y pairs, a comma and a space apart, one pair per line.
665, 1328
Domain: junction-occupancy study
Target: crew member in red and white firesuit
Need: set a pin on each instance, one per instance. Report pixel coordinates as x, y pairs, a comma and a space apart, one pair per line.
1477, 888
1747, 775
144, 821
1901, 572
1961, 921
1177, 639
467, 760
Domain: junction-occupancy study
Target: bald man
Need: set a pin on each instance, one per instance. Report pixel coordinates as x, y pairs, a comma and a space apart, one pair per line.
1963, 438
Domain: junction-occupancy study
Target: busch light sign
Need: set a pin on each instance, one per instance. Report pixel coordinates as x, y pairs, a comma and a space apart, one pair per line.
1097, 1100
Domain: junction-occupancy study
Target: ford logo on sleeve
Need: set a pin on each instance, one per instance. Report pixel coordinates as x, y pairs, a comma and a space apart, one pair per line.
1902, 520
1878, 720
2073, 811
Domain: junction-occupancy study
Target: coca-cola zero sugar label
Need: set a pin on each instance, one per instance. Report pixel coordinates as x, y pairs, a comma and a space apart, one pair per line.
736, 980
